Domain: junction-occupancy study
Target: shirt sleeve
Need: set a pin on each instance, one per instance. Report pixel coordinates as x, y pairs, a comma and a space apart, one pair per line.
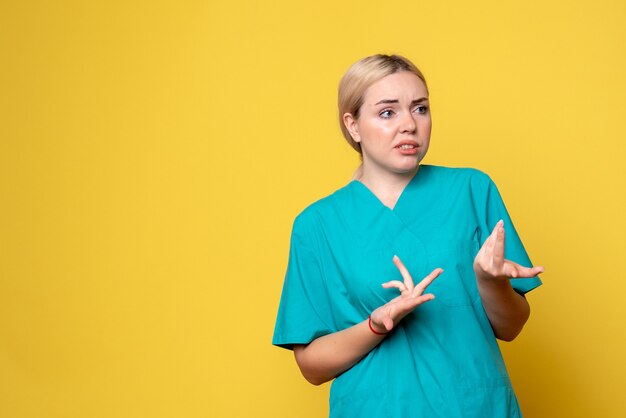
304, 313
494, 210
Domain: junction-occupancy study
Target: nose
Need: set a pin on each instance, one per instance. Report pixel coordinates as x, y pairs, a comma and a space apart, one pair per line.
408, 124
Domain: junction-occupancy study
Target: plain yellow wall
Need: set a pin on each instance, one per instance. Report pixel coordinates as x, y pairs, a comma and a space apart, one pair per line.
153, 155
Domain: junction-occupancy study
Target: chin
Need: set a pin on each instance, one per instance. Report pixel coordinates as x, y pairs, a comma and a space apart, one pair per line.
406, 169
408, 166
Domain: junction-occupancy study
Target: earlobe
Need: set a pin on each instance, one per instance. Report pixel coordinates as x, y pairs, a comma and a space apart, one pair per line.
351, 125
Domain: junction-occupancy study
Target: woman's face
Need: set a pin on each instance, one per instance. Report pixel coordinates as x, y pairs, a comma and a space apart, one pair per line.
394, 124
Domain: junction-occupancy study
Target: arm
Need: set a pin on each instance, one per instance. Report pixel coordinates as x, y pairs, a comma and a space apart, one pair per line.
506, 309
326, 357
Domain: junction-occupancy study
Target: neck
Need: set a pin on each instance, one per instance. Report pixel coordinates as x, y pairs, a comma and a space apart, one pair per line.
387, 186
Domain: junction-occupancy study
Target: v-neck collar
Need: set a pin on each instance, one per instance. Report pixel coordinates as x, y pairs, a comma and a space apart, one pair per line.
412, 184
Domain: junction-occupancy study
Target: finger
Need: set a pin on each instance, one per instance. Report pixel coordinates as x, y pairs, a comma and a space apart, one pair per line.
409, 304
408, 280
487, 248
479, 260
498, 249
397, 284
494, 235
406, 305
388, 323
515, 270
528, 272
426, 281
424, 298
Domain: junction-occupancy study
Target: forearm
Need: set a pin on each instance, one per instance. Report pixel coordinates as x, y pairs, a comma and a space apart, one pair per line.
326, 357
506, 309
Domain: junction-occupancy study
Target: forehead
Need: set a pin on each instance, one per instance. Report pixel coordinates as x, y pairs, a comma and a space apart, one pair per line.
401, 86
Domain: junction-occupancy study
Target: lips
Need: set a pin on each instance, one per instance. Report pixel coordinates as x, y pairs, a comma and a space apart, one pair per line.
407, 145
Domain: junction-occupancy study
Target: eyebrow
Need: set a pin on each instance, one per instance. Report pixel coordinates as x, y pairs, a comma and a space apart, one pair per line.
391, 101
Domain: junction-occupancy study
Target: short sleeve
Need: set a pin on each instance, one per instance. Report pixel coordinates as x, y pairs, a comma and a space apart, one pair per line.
494, 210
304, 313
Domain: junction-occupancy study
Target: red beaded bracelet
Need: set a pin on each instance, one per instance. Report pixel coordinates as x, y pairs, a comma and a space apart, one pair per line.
369, 322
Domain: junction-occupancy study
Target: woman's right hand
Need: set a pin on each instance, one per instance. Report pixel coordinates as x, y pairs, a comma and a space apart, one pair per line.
386, 317
327, 356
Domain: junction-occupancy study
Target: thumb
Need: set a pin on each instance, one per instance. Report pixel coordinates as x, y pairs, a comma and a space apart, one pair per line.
388, 323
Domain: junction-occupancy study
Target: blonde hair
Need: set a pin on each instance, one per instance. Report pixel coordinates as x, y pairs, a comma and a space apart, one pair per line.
359, 77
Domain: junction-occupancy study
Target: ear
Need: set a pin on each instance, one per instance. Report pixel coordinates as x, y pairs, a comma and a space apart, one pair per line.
351, 125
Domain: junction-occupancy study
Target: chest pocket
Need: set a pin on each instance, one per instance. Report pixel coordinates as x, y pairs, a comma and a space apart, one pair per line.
456, 286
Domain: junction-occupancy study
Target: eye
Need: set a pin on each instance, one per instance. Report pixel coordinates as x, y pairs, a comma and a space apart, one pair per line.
421, 109
386, 114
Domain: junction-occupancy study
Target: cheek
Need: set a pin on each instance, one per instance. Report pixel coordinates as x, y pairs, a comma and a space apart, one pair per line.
375, 132
384, 131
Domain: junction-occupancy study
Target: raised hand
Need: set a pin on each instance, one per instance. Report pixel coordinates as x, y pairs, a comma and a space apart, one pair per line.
490, 263
411, 296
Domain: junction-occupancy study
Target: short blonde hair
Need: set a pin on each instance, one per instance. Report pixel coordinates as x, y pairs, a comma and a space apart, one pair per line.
359, 77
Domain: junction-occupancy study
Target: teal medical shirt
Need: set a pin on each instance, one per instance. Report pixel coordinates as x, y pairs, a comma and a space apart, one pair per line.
442, 360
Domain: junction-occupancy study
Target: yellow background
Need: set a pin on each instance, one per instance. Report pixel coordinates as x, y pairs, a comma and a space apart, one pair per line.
153, 155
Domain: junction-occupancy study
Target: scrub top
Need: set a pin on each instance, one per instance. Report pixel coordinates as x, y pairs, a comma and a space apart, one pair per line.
441, 360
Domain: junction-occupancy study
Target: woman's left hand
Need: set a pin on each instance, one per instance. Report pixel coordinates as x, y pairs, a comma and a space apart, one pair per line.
490, 263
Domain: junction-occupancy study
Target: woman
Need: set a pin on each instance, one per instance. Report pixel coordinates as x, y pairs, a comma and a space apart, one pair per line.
403, 349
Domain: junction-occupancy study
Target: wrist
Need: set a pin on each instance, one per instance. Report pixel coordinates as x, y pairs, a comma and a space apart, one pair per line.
374, 327
498, 283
